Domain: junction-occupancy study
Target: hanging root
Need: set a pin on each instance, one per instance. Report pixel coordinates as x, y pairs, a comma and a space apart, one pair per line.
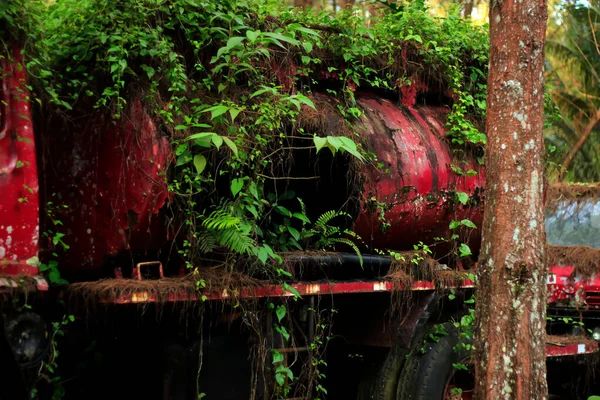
574, 192
161, 291
586, 260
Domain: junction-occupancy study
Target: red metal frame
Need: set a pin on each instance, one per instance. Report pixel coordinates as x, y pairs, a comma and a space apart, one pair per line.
571, 349
275, 290
573, 291
19, 206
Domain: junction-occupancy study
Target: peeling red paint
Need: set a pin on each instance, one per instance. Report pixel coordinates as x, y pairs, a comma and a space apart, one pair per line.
410, 92
571, 349
19, 205
573, 291
416, 183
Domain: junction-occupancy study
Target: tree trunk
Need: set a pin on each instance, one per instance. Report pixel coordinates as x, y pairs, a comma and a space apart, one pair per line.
303, 3
585, 134
510, 356
467, 8
344, 4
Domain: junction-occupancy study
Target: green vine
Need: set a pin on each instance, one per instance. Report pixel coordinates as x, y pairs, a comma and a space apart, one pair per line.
230, 82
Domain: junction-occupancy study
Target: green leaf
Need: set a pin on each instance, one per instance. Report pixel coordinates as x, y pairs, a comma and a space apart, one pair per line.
301, 217
456, 169
305, 60
454, 224
217, 140
294, 232
464, 250
56, 238
283, 38
277, 357
283, 332
201, 135
261, 91
292, 290
280, 378
230, 144
463, 198
233, 42
334, 143
280, 312
308, 46
319, 142
252, 35
460, 367
199, 163
236, 185
234, 112
148, 70
217, 111
263, 255
180, 149
34, 261
468, 224
54, 276
297, 27
349, 146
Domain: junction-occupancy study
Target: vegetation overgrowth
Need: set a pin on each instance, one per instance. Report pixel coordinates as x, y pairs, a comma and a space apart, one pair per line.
228, 81
232, 84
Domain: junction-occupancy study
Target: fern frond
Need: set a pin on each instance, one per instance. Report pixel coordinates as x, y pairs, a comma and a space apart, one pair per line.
353, 234
220, 220
350, 243
207, 241
330, 231
326, 217
236, 240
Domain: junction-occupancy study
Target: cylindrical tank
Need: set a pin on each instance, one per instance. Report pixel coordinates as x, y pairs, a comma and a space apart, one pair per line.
417, 179
409, 193
106, 181
111, 178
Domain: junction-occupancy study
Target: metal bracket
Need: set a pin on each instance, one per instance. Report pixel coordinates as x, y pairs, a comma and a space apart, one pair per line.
137, 270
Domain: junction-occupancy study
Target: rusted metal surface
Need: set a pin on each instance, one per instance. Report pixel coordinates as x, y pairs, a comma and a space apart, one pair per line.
416, 184
19, 204
9, 282
111, 176
570, 348
567, 290
273, 290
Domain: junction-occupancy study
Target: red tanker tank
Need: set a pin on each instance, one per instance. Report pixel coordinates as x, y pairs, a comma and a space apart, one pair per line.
108, 180
416, 185
409, 193
111, 177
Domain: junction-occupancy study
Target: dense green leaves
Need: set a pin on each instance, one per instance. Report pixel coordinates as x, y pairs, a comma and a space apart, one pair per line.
228, 81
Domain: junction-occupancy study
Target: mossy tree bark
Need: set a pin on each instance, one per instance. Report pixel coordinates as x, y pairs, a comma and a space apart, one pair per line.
510, 359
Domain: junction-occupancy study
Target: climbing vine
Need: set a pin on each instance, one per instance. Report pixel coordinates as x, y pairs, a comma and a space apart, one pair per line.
228, 81
233, 85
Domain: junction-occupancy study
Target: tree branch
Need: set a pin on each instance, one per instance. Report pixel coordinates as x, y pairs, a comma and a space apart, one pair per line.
582, 139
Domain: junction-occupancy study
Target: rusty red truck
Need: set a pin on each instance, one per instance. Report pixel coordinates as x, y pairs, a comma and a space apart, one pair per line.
90, 245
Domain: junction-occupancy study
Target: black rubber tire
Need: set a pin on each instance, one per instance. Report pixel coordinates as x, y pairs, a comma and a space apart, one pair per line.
382, 385
425, 375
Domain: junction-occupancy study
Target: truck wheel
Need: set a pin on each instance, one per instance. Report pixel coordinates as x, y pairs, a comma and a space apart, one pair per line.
428, 373
382, 385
